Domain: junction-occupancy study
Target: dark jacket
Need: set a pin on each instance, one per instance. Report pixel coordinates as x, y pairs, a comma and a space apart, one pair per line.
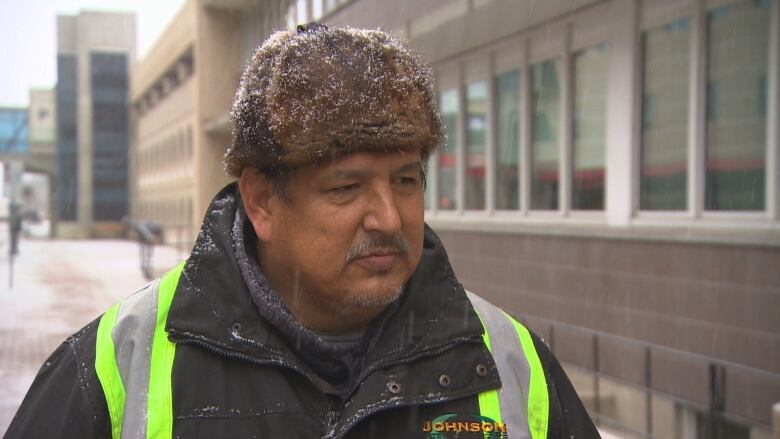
256, 385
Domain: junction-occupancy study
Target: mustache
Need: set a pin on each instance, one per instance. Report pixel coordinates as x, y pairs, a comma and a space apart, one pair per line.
375, 243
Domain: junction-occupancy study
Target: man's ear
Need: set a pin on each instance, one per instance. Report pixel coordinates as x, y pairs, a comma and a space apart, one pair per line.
257, 192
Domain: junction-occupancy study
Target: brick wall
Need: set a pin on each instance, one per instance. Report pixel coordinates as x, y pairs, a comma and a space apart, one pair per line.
720, 303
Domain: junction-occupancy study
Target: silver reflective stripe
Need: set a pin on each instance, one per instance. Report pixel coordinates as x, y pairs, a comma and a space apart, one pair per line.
132, 336
512, 365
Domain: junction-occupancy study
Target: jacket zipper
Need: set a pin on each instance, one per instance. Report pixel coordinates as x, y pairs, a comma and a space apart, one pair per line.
428, 352
180, 338
332, 415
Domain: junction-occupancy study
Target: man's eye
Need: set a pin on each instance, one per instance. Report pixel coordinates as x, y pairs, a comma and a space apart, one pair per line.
344, 188
407, 181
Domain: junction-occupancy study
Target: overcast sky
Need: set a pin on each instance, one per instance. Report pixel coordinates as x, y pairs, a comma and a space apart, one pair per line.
28, 38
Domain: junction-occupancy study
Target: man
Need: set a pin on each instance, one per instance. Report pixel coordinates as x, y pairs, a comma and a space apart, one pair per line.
315, 303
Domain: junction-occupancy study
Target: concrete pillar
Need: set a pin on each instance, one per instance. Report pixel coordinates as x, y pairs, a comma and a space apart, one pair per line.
621, 111
684, 422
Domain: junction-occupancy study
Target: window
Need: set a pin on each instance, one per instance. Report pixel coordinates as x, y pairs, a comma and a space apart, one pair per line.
589, 128
301, 11
316, 9
109, 135
330, 5
692, 143
664, 141
545, 128
327, 6
508, 141
446, 155
737, 69
476, 133
13, 130
291, 17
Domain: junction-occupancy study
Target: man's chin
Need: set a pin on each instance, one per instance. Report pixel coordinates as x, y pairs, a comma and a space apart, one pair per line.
371, 299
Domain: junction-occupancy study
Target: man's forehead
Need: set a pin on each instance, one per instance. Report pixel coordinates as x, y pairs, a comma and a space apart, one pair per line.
364, 162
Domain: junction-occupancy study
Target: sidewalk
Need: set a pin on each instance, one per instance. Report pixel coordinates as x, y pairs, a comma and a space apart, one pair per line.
58, 287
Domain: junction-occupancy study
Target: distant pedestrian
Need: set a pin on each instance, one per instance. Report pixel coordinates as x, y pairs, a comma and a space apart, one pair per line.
14, 228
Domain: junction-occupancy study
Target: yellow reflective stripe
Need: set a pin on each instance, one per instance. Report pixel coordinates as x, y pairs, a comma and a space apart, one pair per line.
489, 404
485, 335
108, 372
160, 400
538, 399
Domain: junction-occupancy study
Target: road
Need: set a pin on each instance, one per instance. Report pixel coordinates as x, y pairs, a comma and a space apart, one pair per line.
58, 287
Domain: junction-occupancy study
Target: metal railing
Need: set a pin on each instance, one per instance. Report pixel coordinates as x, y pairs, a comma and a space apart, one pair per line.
714, 409
150, 234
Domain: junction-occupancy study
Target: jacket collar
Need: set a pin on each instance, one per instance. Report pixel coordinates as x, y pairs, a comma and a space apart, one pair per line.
213, 305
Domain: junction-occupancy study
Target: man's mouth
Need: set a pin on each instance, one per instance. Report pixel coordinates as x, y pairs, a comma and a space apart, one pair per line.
378, 248
379, 260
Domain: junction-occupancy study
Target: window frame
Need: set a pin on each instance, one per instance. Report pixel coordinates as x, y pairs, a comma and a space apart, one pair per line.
520, 53
654, 13
561, 38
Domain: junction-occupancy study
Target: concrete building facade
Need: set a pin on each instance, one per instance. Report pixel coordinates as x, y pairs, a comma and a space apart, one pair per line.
180, 95
14, 146
95, 51
611, 176
28, 156
42, 124
41, 160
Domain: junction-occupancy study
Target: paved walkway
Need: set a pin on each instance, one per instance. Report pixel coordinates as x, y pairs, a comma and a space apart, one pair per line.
58, 287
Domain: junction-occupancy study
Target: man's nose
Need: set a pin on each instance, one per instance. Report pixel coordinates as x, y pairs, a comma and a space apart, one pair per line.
382, 214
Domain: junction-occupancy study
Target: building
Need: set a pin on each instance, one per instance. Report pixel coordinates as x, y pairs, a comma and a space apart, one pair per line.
42, 123
41, 162
13, 151
27, 150
95, 51
610, 176
180, 94
13, 131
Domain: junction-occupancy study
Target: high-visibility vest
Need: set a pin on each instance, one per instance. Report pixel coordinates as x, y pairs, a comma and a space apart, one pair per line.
134, 363
134, 360
522, 403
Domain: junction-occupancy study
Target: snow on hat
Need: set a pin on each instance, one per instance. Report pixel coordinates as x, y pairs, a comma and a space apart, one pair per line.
321, 92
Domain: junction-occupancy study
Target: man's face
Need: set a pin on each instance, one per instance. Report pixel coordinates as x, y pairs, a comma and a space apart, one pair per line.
347, 237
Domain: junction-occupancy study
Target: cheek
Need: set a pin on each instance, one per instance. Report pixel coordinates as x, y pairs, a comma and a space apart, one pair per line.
414, 226
322, 239
414, 213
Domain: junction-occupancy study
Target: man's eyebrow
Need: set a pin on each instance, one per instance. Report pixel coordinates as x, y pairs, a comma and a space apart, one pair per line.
411, 166
347, 173
358, 173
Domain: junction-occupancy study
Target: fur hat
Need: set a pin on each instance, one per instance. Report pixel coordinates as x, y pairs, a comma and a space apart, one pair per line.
323, 92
